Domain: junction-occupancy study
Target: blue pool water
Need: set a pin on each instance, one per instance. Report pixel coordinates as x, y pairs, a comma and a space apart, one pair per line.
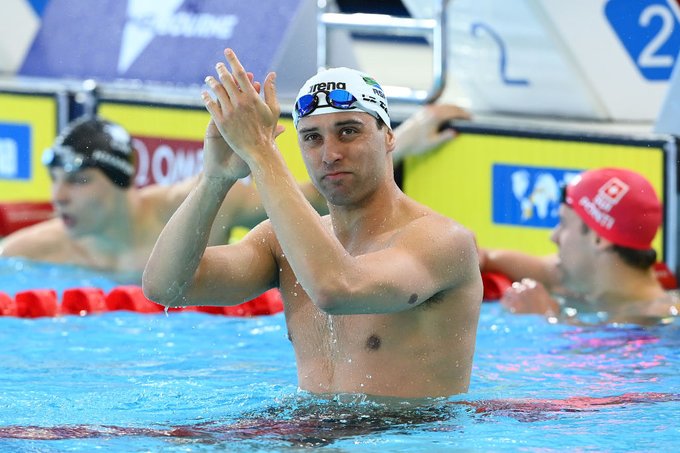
190, 381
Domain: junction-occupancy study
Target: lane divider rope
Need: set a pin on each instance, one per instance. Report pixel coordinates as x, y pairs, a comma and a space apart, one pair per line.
36, 303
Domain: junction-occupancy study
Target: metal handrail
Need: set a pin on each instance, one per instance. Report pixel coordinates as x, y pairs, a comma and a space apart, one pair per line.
382, 24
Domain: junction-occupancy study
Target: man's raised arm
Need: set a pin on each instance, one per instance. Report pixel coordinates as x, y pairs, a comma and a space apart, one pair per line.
180, 246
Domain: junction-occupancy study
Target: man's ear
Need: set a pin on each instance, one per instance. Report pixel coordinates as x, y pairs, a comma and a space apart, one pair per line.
390, 139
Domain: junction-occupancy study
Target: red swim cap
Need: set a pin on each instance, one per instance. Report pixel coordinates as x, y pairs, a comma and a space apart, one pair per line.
618, 204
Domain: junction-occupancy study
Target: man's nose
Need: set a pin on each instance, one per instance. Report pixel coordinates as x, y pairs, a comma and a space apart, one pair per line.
554, 234
332, 152
61, 194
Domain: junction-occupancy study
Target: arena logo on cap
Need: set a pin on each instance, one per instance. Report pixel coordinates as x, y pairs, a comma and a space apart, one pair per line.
327, 86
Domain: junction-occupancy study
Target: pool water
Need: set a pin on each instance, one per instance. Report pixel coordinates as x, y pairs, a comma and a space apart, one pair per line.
189, 381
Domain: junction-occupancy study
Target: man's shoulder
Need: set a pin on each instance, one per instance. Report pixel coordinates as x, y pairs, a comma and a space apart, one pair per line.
36, 240
432, 222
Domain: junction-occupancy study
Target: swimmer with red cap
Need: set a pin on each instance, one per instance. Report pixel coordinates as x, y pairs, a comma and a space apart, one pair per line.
604, 269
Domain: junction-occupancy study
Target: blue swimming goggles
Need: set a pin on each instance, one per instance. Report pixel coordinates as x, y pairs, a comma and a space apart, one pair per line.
338, 99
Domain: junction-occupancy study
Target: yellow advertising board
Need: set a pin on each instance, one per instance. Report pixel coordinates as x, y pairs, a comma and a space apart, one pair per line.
185, 127
28, 125
507, 189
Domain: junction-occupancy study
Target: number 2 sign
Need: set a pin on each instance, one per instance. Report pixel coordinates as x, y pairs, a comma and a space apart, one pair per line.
650, 33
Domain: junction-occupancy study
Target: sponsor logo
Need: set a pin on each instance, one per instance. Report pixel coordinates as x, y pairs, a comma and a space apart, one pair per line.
15, 151
608, 196
373, 100
147, 20
327, 86
107, 159
528, 196
611, 193
165, 161
371, 81
593, 211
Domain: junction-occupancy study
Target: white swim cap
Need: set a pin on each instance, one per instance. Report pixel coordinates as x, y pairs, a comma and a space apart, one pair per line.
343, 89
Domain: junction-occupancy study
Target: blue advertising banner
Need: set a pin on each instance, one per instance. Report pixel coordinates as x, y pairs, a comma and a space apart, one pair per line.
164, 41
15, 151
528, 196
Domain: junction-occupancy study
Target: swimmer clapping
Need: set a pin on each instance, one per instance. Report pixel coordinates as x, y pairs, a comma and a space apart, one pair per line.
382, 296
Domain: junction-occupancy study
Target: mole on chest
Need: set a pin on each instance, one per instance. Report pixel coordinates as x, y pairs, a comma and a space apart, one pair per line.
373, 343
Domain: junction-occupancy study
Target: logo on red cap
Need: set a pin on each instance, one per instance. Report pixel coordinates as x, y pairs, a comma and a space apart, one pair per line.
618, 204
612, 192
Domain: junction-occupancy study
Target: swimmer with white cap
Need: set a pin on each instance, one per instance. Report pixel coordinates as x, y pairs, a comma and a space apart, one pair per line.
382, 296
104, 222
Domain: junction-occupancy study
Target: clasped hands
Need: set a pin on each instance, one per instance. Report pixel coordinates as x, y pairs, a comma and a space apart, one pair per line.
242, 124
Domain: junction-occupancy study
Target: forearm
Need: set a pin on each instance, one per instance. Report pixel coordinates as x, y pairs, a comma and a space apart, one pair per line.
309, 247
517, 265
180, 246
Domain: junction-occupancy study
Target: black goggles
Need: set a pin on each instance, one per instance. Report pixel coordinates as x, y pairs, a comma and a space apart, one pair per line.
338, 99
563, 195
66, 158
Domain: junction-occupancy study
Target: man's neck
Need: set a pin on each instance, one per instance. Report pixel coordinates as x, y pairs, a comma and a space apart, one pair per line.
121, 230
371, 216
623, 286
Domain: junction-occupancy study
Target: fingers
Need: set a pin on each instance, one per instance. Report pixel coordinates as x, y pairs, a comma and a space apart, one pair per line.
444, 136
450, 112
270, 94
222, 98
280, 129
211, 105
238, 73
256, 85
227, 81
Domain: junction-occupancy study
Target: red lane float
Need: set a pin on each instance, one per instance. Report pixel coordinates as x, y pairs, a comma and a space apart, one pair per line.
37, 303
8, 307
131, 298
83, 301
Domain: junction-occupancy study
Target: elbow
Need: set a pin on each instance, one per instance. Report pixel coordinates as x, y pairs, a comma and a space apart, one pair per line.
333, 298
328, 304
167, 295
